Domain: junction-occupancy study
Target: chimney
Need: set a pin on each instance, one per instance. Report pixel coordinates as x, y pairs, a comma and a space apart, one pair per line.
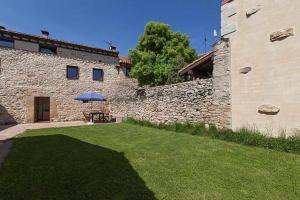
45, 34
2, 28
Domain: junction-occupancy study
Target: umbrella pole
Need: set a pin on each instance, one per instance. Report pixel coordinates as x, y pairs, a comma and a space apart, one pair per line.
91, 119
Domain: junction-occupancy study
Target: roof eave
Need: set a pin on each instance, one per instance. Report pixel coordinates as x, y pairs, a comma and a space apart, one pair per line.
195, 63
226, 1
59, 43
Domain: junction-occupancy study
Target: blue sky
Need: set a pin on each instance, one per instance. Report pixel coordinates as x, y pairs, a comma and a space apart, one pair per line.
120, 21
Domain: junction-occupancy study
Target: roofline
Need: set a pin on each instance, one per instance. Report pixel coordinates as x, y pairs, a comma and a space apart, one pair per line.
226, 1
8, 34
196, 62
124, 62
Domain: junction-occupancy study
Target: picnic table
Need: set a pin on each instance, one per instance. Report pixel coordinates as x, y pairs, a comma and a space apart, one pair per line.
99, 116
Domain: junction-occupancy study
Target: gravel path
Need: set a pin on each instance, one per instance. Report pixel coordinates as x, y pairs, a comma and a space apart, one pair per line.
9, 132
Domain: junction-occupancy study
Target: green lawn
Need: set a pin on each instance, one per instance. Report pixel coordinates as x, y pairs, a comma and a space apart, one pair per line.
125, 161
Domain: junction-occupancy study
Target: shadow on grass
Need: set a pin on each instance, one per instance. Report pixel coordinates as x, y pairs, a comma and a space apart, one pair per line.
61, 167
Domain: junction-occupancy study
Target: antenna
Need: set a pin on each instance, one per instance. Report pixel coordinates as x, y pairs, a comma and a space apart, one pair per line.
215, 33
110, 45
212, 34
205, 42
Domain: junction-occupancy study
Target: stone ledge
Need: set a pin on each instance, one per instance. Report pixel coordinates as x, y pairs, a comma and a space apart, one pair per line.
252, 11
245, 70
268, 109
282, 34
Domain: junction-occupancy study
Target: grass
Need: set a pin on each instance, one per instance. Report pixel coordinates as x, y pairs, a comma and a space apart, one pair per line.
126, 161
243, 136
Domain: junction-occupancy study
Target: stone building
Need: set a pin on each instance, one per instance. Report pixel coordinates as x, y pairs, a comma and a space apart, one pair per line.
40, 76
264, 63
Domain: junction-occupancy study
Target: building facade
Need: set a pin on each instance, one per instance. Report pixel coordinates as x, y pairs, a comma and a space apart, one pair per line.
39, 77
251, 79
264, 63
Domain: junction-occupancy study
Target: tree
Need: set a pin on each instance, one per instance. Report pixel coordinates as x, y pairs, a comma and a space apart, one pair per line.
159, 54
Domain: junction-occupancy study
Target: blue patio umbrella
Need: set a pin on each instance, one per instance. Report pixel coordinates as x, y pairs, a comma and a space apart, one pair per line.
90, 96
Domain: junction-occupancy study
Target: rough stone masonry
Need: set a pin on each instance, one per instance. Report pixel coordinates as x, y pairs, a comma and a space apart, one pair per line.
26, 75
205, 100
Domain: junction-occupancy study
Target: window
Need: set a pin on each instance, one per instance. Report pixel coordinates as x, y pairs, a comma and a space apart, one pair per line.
72, 72
48, 49
7, 43
127, 71
97, 74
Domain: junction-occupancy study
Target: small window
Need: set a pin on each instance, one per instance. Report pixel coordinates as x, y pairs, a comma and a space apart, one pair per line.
97, 74
7, 43
72, 72
48, 49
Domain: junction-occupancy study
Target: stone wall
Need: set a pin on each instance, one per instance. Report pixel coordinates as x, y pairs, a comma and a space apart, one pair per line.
206, 100
222, 82
63, 52
29, 46
183, 102
189, 101
25, 75
70, 53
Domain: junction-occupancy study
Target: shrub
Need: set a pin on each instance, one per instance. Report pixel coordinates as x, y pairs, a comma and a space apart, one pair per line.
243, 136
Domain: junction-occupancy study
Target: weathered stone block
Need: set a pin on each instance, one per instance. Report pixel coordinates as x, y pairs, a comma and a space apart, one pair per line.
252, 11
228, 12
245, 70
268, 109
282, 34
228, 29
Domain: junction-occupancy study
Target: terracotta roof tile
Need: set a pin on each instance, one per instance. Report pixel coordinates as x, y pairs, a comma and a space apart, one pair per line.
123, 60
226, 1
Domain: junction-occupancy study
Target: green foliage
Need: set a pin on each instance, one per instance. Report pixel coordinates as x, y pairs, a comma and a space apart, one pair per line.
159, 54
243, 136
